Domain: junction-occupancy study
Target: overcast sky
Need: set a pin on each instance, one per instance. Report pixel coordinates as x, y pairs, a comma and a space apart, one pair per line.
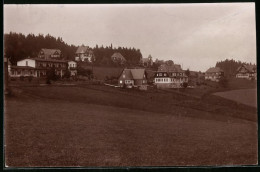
193, 35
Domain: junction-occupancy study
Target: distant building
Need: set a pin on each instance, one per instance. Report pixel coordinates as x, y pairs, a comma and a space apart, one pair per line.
72, 66
147, 62
37, 67
118, 58
84, 54
214, 74
170, 76
133, 77
247, 71
50, 54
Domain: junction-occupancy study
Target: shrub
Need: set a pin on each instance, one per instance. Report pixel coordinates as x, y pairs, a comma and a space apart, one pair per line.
21, 78
185, 85
223, 82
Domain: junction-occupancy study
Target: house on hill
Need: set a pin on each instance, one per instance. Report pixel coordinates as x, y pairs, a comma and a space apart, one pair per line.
118, 58
246, 71
50, 54
214, 74
146, 62
132, 77
170, 76
84, 54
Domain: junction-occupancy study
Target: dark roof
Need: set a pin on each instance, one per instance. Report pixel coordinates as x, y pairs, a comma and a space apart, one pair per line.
170, 68
250, 68
134, 73
50, 51
118, 55
83, 49
214, 70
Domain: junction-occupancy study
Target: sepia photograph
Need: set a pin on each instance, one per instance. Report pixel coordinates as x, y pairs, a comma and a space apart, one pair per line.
130, 85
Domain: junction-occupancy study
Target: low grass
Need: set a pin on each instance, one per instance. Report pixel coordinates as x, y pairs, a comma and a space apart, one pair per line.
104, 126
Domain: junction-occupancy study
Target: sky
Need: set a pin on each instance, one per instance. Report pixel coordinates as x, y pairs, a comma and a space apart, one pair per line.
193, 35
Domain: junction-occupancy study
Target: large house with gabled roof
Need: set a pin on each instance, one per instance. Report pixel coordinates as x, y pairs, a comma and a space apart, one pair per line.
247, 72
118, 58
214, 74
84, 54
170, 76
50, 54
146, 62
37, 67
133, 77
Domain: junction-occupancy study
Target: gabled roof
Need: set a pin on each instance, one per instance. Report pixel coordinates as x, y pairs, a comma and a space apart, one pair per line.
118, 55
83, 49
134, 73
138, 73
250, 68
214, 70
50, 51
170, 68
128, 73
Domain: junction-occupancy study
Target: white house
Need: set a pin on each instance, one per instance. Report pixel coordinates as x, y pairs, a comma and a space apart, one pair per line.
72, 66
170, 76
214, 74
84, 53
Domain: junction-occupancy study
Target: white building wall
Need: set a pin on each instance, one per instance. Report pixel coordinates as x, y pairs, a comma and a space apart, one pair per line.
72, 64
27, 62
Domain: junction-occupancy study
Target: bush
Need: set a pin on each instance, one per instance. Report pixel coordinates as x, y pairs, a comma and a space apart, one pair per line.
21, 78
185, 85
223, 82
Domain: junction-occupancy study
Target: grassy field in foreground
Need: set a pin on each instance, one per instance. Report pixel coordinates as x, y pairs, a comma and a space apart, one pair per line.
103, 126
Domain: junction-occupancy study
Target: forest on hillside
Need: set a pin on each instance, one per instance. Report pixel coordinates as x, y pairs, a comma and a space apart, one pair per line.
18, 46
230, 66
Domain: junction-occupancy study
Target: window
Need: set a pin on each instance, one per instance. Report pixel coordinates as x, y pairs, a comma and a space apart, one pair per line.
123, 75
120, 81
165, 74
160, 74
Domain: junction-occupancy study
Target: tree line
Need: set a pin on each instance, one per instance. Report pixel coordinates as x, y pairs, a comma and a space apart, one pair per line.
103, 55
230, 66
18, 46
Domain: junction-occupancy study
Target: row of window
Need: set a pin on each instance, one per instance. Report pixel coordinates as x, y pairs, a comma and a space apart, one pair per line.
170, 79
51, 65
72, 65
172, 74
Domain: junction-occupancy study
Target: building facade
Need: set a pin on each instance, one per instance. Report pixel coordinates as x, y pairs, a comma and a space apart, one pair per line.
132, 77
170, 76
118, 58
48, 54
214, 74
84, 54
37, 67
146, 62
247, 72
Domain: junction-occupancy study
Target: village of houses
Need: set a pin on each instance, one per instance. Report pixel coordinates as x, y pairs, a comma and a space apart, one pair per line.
168, 74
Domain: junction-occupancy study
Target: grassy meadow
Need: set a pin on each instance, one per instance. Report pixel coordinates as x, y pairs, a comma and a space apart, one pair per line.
95, 125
